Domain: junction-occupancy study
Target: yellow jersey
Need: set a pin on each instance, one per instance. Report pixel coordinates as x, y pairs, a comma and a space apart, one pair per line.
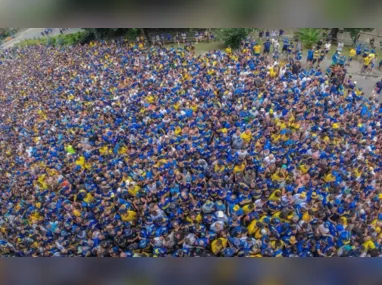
257, 49
366, 61
246, 137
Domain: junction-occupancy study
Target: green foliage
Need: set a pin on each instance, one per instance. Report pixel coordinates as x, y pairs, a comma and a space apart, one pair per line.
355, 32
51, 41
131, 34
100, 33
60, 41
233, 37
309, 36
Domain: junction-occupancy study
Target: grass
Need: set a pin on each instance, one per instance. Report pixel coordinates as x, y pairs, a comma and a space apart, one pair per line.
58, 40
203, 47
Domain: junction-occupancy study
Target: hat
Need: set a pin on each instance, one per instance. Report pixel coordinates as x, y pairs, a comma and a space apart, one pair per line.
220, 214
314, 195
292, 240
302, 195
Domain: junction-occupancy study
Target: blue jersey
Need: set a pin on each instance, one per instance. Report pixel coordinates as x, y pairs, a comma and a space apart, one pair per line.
310, 54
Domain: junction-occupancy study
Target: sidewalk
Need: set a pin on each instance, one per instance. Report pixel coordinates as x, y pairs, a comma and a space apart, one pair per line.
35, 33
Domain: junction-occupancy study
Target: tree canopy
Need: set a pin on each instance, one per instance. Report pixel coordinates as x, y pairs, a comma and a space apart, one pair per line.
356, 32
233, 37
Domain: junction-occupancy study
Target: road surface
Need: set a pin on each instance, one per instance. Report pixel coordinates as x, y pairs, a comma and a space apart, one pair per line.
35, 33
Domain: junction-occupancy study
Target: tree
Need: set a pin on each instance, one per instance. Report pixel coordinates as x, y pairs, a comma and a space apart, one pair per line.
233, 37
99, 33
334, 34
355, 33
109, 33
145, 33
309, 36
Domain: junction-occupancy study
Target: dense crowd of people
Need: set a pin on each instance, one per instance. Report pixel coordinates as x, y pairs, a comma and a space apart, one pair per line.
114, 149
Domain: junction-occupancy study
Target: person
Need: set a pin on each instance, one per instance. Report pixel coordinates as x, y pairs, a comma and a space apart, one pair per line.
207, 35
373, 57
342, 60
322, 56
261, 34
274, 34
299, 55
366, 65
281, 33
319, 44
228, 50
257, 50
378, 87
340, 46
267, 47
267, 34
327, 47
358, 50
316, 57
335, 58
196, 36
162, 38
352, 54
285, 45
310, 56
177, 39
276, 46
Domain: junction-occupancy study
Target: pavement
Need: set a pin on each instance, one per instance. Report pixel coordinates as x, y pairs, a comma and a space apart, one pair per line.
367, 84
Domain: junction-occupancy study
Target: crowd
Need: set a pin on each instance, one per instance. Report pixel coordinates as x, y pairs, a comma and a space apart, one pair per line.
114, 149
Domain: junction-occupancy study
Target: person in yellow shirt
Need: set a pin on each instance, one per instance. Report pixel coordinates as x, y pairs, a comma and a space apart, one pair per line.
246, 136
128, 216
366, 64
239, 168
257, 49
352, 54
228, 50
218, 245
368, 244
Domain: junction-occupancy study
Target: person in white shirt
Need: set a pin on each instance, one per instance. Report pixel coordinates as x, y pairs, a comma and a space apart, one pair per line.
299, 198
327, 47
242, 153
270, 159
340, 46
276, 46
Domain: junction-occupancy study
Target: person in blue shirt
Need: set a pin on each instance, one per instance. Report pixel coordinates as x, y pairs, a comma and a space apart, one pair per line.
335, 58
285, 45
267, 47
309, 57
